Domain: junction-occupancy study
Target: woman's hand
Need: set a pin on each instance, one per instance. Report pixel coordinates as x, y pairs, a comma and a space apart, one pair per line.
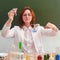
11, 13
51, 26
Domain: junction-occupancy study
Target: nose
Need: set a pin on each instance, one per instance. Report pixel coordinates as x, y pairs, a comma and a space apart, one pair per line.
27, 15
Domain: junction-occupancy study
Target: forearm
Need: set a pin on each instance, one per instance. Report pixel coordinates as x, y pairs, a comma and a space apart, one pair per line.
50, 32
8, 23
6, 27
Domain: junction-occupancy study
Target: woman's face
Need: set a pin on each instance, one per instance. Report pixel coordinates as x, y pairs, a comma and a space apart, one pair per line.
27, 16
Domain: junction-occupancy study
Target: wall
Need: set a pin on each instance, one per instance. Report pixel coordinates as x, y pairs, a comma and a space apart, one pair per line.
46, 10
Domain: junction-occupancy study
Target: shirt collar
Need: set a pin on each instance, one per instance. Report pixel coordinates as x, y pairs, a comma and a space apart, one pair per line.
27, 28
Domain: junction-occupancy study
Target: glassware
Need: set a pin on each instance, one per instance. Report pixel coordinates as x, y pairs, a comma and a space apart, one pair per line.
15, 10
20, 50
20, 46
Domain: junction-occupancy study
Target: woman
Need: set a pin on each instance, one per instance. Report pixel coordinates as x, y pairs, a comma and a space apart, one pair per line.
29, 33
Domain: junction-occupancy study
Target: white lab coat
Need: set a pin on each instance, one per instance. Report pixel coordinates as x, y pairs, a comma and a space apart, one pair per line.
28, 35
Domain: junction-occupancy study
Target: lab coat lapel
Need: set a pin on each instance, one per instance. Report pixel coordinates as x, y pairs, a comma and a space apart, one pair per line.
36, 42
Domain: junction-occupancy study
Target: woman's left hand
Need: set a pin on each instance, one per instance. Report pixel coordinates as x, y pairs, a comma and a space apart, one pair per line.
51, 26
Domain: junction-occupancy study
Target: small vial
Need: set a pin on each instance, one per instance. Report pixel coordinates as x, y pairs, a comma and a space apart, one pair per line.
27, 57
39, 57
15, 10
57, 57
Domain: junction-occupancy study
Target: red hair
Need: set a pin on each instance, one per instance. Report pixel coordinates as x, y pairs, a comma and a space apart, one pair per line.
20, 20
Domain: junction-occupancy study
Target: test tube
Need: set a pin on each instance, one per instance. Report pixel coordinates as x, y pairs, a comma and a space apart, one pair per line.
20, 49
57, 57
15, 10
39, 57
45, 57
27, 57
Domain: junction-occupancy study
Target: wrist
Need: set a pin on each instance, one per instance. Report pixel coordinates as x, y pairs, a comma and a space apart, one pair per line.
10, 19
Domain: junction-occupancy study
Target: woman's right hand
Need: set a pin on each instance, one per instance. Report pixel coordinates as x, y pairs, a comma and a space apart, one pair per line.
11, 13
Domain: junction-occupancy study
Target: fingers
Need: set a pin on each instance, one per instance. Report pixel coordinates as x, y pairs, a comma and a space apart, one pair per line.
12, 12
52, 26
55, 29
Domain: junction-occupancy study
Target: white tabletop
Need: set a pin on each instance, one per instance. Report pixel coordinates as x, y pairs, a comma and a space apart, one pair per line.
3, 54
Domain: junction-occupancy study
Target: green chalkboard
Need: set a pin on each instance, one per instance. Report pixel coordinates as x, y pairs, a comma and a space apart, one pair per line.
46, 10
